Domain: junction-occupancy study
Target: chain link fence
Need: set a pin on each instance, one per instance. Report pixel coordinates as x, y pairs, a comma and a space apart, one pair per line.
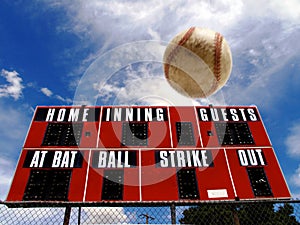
217, 212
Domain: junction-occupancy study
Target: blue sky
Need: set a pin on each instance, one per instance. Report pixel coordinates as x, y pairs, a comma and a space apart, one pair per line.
48, 46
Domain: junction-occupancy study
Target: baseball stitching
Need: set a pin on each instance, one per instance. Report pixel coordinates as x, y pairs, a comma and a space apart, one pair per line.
217, 62
217, 55
185, 37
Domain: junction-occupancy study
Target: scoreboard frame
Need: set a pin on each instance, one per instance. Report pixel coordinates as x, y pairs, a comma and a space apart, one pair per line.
147, 154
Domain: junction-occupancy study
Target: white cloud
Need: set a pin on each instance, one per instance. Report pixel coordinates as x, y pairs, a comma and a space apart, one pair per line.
13, 127
292, 142
121, 21
46, 92
261, 34
14, 87
263, 52
154, 34
142, 84
287, 10
66, 100
27, 216
140, 90
118, 22
6, 174
294, 181
104, 215
49, 93
295, 178
89, 215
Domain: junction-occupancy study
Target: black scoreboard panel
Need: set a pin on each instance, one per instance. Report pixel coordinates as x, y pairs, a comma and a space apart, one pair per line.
147, 153
62, 134
259, 182
185, 133
134, 133
113, 185
48, 185
234, 133
187, 184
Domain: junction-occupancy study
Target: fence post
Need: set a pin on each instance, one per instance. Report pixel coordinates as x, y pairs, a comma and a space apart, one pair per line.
173, 213
67, 215
79, 214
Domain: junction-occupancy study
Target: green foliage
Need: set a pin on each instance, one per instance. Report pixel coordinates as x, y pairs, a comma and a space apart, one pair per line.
250, 214
207, 214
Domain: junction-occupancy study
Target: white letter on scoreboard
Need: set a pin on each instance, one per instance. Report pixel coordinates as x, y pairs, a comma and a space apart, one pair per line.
172, 153
261, 158
56, 158
126, 160
214, 114
73, 116
50, 115
111, 160
180, 159
252, 157
73, 154
148, 114
252, 115
129, 114
204, 158
234, 115
243, 157
138, 112
203, 114
61, 115
160, 114
224, 114
117, 114
107, 114
197, 162
243, 114
163, 158
102, 159
42, 158
65, 160
35, 159
85, 114
188, 158
119, 160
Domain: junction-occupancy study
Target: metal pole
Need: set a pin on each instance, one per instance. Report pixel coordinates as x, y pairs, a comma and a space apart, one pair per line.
79, 214
67, 215
173, 213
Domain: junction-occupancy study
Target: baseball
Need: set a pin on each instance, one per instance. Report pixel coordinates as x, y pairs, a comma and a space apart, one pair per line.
197, 62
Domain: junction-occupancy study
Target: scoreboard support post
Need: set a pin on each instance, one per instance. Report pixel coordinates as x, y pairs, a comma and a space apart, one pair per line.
173, 213
79, 215
67, 215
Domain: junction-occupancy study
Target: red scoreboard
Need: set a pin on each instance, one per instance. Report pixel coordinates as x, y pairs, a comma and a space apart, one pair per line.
147, 153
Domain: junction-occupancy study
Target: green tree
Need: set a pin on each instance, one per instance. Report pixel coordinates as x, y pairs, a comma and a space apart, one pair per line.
240, 214
208, 214
285, 213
